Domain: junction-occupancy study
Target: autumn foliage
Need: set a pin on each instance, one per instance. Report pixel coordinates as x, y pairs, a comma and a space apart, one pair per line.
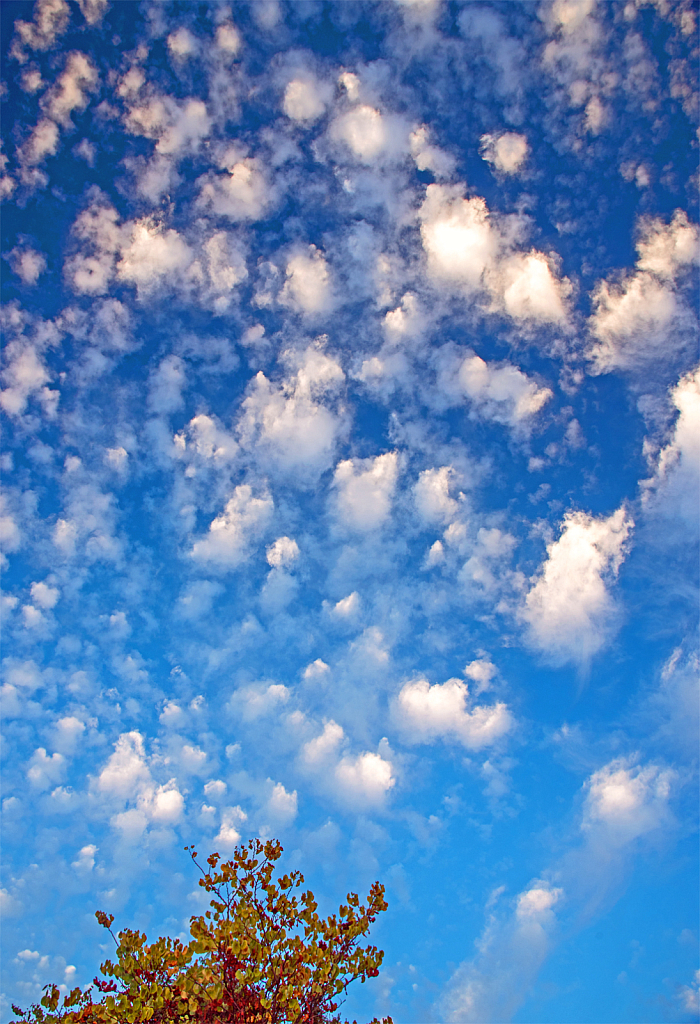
260, 955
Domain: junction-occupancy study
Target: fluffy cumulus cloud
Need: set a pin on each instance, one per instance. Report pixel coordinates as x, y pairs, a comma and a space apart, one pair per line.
151, 254
49, 22
27, 263
283, 552
364, 132
231, 534
674, 489
240, 193
445, 712
626, 800
127, 787
500, 393
306, 99
470, 251
308, 287
569, 611
364, 491
434, 502
506, 152
296, 426
459, 239
644, 316
361, 781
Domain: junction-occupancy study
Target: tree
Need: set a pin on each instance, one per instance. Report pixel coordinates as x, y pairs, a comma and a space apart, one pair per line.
260, 955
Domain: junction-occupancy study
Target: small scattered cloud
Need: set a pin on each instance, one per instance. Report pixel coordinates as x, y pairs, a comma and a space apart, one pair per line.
569, 611
506, 152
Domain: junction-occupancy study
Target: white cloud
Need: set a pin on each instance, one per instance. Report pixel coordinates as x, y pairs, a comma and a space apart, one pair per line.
674, 489
574, 56
44, 595
481, 671
71, 90
644, 317
406, 321
507, 152
205, 439
44, 769
258, 700
668, 250
365, 779
672, 711
428, 157
510, 952
93, 10
117, 458
348, 607
281, 806
633, 321
165, 804
65, 535
214, 788
536, 901
501, 393
444, 711
229, 835
283, 552
172, 715
364, 132
361, 781
89, 273
178, 128
50, 21
306, 99
228, 38
308, 288
23, 675
318, 669
529, 288
25, 375
41, 143
242, 193
435, 555
290, 426
231, 533
182, 43
31, 80
151, 254
126, 770
325, 745
458, 235
689, 995
364, 491
126, 779
432, 495
33, 618
27, 263
469, 250
225, 266
569, 610
10, 533
165, 386
198, 599
85, 861
68, 732
625, 800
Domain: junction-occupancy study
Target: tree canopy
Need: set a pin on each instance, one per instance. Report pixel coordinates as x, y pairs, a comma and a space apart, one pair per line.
260, 955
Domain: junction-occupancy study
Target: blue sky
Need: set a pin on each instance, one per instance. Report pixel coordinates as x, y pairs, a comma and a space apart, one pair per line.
350, 485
